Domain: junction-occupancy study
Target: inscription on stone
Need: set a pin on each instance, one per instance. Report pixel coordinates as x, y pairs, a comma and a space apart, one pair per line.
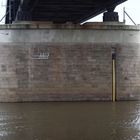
39, 53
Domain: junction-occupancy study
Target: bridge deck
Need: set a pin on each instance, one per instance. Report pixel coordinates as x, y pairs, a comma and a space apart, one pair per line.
57, 10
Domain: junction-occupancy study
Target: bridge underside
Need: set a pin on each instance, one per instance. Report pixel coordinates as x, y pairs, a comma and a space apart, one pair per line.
59, 11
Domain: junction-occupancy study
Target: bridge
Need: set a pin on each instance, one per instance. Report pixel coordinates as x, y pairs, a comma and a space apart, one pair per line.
67, 62
59, 11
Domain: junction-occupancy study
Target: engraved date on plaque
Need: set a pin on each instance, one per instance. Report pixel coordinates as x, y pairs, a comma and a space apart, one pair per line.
40, 54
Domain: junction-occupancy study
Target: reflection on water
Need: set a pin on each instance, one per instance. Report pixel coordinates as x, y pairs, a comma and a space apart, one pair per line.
70, 121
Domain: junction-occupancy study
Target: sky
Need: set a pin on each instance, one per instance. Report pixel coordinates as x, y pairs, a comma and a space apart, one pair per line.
132, 7
2, 10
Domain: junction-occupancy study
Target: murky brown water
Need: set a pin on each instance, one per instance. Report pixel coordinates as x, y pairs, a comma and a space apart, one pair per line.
70, 121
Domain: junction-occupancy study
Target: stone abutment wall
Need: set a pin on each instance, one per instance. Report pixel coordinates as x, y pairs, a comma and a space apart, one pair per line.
43, 63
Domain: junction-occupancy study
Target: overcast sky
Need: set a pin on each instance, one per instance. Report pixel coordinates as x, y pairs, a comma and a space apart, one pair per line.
132, 8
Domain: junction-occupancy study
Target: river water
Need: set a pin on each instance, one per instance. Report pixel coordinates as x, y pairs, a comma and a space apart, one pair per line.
70, 121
